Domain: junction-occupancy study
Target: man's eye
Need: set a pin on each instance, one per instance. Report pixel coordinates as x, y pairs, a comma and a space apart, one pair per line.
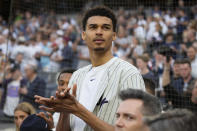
22, 117
117, 116
61, 83
129, 118
106, 27
92, 27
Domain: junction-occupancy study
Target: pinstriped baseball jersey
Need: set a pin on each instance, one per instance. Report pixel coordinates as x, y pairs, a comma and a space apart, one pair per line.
119, 75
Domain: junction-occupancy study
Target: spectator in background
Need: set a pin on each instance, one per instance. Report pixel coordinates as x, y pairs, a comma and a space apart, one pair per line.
169, 41
182, 101
35, 85
175, 120
22, 111
135, 105
12, 87
191, 54
142, 64
55, 58
181, 23
185, 73
45, 54
67, 55
173, 78
19, 62
122, 41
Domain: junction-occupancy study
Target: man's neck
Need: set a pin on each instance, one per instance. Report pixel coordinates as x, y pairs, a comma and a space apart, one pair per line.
98, 59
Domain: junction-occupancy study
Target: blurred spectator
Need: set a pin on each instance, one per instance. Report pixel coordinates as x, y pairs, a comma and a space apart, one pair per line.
185, 73
22, 111
35, 85
12, 83
182, 101
191, 53
45, 53
182, 23
84, 58
173, 78
142, 64
169, 41
122, 41
67, 55
55, 58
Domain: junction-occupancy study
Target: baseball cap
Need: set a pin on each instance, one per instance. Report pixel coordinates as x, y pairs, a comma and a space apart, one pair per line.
34, 123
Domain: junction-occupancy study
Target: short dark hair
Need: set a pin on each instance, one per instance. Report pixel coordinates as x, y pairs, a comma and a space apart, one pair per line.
151, 104
185, 61
99, 11
65, 71
172, 120
177, 61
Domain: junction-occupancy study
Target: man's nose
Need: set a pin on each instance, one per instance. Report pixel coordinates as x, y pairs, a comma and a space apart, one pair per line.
99, 31
119, 123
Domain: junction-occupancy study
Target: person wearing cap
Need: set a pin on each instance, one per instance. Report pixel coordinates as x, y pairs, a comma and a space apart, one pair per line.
36, 123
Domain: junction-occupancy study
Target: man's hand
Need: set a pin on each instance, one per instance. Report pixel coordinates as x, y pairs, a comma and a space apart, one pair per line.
48, 119
64, 102
23, 91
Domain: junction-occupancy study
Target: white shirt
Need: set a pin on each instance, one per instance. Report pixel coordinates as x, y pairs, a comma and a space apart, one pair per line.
89, 90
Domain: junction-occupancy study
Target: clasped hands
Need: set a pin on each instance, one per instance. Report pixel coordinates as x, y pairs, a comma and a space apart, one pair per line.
63, 102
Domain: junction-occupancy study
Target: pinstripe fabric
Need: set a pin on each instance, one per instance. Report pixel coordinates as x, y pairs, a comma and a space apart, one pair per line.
119, 75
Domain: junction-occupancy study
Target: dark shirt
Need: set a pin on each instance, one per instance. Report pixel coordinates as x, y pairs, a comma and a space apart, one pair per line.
36, 87
178, 100
68, 55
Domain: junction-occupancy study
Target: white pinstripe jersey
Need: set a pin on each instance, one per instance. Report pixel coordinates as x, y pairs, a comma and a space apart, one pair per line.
119, 75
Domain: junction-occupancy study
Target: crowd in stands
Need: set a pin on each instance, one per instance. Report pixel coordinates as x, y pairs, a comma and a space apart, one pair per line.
162, 44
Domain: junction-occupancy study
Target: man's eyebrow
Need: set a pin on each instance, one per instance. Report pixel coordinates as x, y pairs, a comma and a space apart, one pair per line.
106, 25
92, 25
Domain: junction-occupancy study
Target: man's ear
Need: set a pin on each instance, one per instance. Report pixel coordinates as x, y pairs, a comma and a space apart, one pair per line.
83, 35
114, 36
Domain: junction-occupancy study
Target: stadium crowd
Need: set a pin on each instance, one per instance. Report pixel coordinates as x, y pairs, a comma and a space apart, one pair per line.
162, 44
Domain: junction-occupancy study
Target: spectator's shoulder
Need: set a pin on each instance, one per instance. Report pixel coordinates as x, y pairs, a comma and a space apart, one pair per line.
41, 80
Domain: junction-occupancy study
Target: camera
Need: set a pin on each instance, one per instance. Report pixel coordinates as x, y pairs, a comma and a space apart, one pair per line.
167, 51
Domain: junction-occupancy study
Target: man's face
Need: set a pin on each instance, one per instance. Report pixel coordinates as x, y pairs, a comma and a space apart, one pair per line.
185, 70
191, 53
129, 116
28, 72
63, 81
99, 34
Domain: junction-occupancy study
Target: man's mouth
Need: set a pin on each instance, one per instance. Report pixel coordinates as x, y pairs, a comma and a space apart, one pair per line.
99, 40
